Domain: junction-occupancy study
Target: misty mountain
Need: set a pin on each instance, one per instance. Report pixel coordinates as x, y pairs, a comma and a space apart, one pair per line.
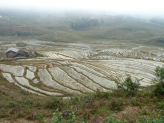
68, 26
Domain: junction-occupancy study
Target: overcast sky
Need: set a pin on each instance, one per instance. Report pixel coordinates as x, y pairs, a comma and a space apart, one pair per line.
127, 6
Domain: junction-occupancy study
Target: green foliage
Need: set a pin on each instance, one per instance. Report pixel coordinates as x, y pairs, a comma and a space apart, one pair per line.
85, 23
159, 73
160, 40
65, 117
160, 104
159, 89
2, 92
100, 94
129, 87
157, 20
75, 99
37, 104
12, 103
89, 100
19, 33
125, 29
134, 101
111, 119
144, 112
116, 104
28, 102
24, 92
54, 103
40, 116
145, 119
1, 77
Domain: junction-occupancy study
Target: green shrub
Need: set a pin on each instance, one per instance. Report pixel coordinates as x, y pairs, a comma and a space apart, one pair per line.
144, 119
38, 103
12, 103
160, 104
1, 77
135, 101
160, 39
116, 104
54, 103
159, 90
159, 73
40, 117
159, 87
129, 87
100, 94
75, 100
111, 119
89, 100
65, 117
28, 102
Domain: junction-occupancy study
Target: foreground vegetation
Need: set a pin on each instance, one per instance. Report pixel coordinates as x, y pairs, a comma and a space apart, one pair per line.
129, 103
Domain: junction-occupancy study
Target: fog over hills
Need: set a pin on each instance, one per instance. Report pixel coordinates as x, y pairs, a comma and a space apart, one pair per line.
145, 8
79, 26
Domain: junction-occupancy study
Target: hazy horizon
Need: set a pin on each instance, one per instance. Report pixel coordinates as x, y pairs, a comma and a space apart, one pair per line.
137, 7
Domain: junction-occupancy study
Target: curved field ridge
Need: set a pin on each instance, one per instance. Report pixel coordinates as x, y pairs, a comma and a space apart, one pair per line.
54, 55
74, 69
11, 80
66, 80
8, 77
46, 79
82, 78
24, 82
60, 77
31, 68
99, 80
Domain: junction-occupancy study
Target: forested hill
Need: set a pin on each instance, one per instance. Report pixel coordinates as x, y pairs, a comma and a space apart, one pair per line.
79, 27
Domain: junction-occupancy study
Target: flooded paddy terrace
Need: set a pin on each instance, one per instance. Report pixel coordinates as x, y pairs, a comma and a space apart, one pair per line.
74, 69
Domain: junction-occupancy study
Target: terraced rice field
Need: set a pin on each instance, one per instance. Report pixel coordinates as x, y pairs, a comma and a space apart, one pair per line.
66, 72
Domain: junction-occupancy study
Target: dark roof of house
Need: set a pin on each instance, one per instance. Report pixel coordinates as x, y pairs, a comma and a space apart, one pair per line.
12, 49
20, 52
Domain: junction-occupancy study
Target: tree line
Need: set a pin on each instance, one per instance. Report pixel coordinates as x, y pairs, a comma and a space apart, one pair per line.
160, 40
85, 23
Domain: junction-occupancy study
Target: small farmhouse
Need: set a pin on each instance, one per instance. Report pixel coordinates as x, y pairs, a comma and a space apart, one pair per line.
15, 53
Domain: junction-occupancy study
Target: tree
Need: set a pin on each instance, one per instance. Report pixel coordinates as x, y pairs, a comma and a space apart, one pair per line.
160, 40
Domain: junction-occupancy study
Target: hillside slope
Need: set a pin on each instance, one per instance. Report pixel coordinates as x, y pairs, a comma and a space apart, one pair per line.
58, 28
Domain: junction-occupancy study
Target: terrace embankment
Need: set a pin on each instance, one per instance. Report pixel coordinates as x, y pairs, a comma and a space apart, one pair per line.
65, 71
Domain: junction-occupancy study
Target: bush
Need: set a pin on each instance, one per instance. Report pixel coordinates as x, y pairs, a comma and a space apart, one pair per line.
54, 103
75, 100
159, 87
161, 40
116, 104
65, 117
12, 103
160, 104
1, 77
129, 87
28, 102
151, 120
159, 73
100, 95
111, 119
